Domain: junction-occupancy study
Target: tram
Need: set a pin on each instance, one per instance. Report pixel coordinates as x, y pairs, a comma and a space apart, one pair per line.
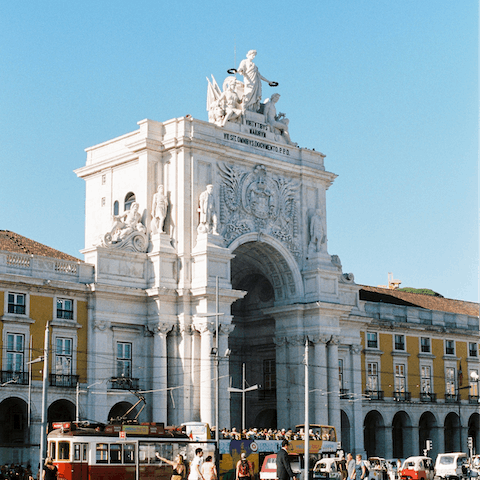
83, 451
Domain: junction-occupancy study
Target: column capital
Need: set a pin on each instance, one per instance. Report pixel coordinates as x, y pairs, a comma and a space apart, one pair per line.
334, 340
356, 349
162, 328
205, 327
226, 329
280, 341
297, 340
319, 338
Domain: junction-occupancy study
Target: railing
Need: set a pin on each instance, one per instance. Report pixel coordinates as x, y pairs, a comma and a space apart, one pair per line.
451, 398
473, 399
344, 394
374, 394
18, 260
68, 381
428, 397
65, 314
124, 383
402, 396
15, 378
16, 309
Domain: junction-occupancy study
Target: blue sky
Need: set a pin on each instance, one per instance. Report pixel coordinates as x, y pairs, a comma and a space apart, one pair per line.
387, 90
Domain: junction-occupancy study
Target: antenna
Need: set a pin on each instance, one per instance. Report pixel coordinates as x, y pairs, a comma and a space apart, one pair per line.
235, 52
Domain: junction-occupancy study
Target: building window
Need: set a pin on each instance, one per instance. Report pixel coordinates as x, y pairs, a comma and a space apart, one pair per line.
17, 303
449, 347
426, 379
372, 377
104, 179
372, 340
63, 356
269, 374
473, 383
115, 207
104, 201
15, 352
472, 349
450, 381
65, 308
400, 342
340, 374
400, 378
129, 199
425, 345
124, 360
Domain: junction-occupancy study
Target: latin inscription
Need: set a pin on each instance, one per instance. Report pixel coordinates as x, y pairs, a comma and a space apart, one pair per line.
256, 144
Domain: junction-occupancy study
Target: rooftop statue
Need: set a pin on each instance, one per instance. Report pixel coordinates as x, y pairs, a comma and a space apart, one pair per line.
278, 121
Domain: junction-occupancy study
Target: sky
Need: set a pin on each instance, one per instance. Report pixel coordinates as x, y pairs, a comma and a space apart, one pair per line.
387, 90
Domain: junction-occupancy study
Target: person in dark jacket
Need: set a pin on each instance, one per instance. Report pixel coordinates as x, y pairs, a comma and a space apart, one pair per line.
284, 470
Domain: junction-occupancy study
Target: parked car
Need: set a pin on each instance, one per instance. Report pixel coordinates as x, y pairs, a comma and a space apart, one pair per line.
377, 468
417, 468
327, 469
451, 466
393, 470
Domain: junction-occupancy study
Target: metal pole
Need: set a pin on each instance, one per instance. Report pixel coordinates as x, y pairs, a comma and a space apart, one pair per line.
217, 402
29, 414
43, 430
77, 395
243, 396
307, 425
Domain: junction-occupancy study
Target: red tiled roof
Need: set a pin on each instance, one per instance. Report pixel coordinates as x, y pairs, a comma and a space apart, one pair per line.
429, 302
15, 243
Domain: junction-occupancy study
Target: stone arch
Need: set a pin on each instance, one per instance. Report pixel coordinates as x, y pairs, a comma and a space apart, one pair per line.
451, 433
60, 411
13, 418
402, 435
266, 418
119, 409
345, 431
374, 434
427, 430
268, 256
474, 430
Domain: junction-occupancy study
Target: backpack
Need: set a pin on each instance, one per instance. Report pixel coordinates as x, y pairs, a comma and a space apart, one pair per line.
244, 469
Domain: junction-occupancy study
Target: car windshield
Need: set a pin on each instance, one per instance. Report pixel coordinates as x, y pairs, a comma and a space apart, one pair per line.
446, 460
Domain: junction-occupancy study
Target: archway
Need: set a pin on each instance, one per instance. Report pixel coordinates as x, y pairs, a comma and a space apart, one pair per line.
402, 435
427, 430
267, 419
60, 411
264, 269
120, 409
452, 433
13, 418
474, 431
345, 429
374, 434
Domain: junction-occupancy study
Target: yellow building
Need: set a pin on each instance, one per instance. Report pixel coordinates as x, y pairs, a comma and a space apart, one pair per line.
38, 285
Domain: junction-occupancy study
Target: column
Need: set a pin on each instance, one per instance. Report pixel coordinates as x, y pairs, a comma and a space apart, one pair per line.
333, 383
207, 392
159, 373
282, 382
224, 377
296, 377
319, 366
356, 423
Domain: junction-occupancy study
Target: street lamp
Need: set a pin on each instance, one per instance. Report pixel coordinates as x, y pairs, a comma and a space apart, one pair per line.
243, 391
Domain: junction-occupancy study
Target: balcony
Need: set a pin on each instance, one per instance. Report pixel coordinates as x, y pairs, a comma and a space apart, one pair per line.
451, 398
344, 394
402, 396
68, 381
124, 383
428, 397
374, 395
13, 378
473, 399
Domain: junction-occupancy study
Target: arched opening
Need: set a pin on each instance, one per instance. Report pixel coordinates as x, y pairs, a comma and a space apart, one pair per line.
474, 430
115, 207
120, 409
60, 411
345, 429
452, 433
263, 272
13, 418
427, 430
374, 434
129, 199
402, 435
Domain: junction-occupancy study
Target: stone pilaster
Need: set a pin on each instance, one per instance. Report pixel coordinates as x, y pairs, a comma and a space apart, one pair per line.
333, 383
283, 414
224, 377
207, 391
356, 427
320, 379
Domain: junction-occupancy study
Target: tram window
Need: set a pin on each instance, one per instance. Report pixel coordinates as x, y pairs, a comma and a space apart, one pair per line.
129, 453
76, 452
102, 452
115, 453
63, 451
53, 454
84, 452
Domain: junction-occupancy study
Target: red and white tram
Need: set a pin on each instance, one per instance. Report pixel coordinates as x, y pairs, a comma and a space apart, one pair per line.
119, 452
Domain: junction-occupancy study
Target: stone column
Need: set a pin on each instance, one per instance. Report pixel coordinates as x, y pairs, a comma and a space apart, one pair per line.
207, 391
333, 384
283, 417
159, 373
224, 379
296, 377
387, 437
320, 379
356, 424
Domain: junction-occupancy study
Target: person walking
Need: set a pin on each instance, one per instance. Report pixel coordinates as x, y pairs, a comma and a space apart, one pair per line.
350, 466
209, 471
196, 466
244, 468
360, 469
178, 465
284, 470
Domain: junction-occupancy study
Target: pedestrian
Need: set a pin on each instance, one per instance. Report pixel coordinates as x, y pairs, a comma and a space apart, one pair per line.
50, 471
360, 469
196, 466
284, 470
178, 465
209, 471
244, 468
350, 466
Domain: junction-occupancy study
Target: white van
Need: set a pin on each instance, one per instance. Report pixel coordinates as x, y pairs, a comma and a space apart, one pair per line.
451, 466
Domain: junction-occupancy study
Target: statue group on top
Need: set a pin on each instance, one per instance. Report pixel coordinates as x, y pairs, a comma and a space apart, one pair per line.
238, 98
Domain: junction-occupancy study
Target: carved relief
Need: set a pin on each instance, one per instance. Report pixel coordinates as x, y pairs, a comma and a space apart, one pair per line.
254, 201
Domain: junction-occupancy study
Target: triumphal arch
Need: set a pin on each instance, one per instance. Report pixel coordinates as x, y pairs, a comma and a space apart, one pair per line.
177, 206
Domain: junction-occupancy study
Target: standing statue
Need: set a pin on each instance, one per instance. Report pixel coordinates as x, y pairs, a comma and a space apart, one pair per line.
159, 210
317, 233
127, 223
253, 83
278, 122
208, 212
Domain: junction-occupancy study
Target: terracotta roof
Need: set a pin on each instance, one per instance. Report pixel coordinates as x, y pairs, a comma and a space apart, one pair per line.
15, 243
429, 302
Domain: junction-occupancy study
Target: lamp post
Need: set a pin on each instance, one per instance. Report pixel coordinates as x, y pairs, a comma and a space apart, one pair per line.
474, 378
43, 429
243, 391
